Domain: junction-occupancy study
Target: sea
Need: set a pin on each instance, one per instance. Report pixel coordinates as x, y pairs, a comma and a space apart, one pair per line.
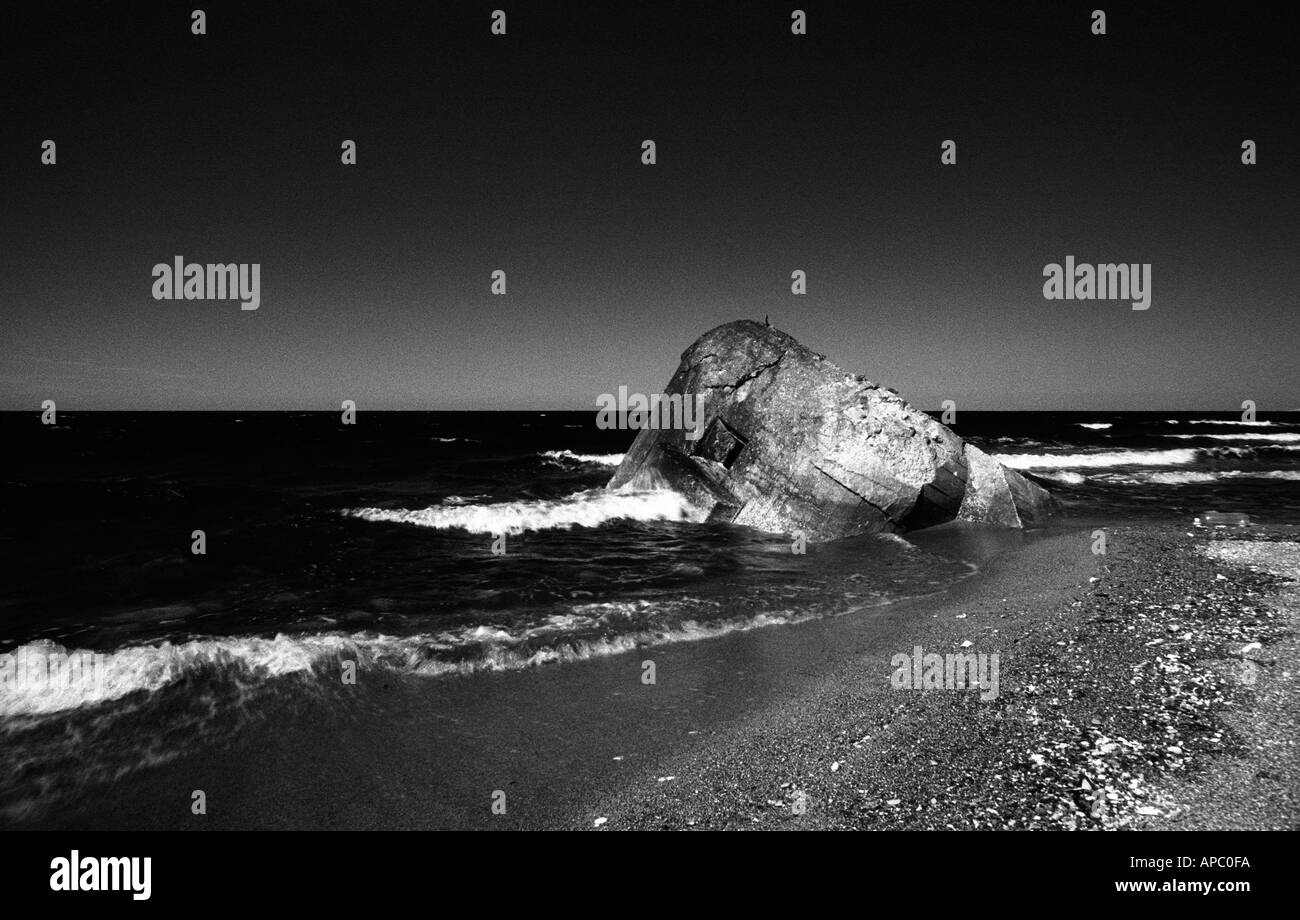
204, 568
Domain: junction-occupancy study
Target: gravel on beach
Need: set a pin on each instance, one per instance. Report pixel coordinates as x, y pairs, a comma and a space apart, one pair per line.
1159, 693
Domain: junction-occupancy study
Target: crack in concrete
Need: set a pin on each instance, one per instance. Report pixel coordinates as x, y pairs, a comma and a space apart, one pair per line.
762, 369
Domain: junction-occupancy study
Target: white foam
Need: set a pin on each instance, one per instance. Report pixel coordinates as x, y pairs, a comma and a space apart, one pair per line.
1177, 477
1094, 425
252, 661
1249, 451
1101, 458
1066, 477
1215, 421
598, 459
1194, 477
1280, 437
151, 667
591, 508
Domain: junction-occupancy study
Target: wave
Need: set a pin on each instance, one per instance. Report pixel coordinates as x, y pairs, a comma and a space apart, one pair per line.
1279, 437
584, 631
598, 459
1172, 477
146, 705
1097, 426
1176, 477
1235, 422
1185, 477
1171, 457
1100, 458
37, 682
1068, 478
1255, 451
591, 508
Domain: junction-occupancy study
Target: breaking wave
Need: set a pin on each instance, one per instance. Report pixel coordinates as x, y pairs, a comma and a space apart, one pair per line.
598, 459
1188, 477
1235, 422
1174, 477
1250, 451
591, 508
1171, 477
1279, 437
1066, 477
149, 668
584, 631
151, 703
1101, 458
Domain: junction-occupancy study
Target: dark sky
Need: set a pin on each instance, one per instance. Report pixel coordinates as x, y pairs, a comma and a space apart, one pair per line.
522, 153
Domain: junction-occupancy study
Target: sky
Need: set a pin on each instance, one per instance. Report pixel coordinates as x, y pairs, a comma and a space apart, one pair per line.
522, 152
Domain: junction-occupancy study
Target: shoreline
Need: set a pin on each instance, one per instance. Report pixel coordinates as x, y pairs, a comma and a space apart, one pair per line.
746, 729
1102, 722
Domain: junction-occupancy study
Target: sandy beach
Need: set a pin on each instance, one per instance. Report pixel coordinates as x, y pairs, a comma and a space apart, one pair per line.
1128, 697
1124, 699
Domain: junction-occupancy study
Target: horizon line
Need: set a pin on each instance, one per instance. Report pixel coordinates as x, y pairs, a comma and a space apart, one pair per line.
335, 411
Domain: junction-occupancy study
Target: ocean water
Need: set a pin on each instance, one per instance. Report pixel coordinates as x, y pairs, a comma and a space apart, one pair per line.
373, 544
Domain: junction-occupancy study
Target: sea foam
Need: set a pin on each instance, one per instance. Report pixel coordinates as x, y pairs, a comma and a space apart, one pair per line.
584, 631
1279, 437
595, 459
590, 508
1101, 458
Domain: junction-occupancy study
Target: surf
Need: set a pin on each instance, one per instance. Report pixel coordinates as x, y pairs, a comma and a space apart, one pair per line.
590, 508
